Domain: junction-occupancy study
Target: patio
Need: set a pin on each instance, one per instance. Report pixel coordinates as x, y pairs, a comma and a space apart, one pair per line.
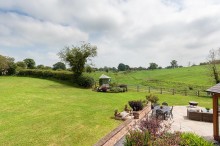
180, 122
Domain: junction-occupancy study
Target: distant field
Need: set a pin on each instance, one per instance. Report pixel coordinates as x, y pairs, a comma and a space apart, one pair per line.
197, 77
43, 112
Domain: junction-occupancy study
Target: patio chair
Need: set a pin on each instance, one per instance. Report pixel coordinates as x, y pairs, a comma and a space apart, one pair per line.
152, 107
165, 103
170, 113
160, 113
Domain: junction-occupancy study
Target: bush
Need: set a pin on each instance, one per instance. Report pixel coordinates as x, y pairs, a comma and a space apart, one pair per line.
60, 75
136, 105
116, 89
152, 98
137, 138
191, 139
85, 81
168, 139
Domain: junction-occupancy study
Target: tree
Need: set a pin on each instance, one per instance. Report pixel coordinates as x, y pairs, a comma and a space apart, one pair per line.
121, 67
76, 57
212, 60
174, 64
106, 69
153, 66
30, 63
21, 64
88, 69
59, 65
127, 67
7, 65
41, 66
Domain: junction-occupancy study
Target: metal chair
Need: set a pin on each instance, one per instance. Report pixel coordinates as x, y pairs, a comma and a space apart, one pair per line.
170, 113
165, 103
160, 113
152, 107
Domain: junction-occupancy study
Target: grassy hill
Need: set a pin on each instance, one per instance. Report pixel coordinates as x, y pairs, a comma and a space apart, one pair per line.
196, 77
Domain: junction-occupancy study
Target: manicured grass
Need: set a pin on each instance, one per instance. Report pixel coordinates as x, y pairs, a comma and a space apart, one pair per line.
43, 112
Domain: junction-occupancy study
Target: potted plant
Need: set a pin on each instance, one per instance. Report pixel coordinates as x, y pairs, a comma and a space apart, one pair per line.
207, 109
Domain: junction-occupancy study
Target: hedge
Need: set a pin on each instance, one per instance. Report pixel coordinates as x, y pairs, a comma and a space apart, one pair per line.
83, 81
60, 75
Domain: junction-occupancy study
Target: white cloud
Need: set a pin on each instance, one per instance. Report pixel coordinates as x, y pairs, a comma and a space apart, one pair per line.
133, 32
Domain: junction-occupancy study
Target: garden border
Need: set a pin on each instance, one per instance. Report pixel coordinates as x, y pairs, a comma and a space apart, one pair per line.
115, 135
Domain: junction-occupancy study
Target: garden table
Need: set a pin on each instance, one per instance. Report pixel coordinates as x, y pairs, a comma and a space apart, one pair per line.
164, 109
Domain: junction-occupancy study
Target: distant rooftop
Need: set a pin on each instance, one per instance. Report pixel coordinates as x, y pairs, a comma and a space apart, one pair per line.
104, 77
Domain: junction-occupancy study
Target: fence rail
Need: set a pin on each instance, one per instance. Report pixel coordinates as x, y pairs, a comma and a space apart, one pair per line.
172, 91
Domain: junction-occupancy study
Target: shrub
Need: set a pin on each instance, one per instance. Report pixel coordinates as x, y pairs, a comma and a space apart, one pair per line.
116, 89
136, 105
137, 138
168, 139
85, 81
152, 125
152, 98
192, 139
190, 87
60, 75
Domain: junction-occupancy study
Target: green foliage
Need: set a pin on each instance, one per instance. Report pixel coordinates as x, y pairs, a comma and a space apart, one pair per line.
59, 65
137, 138
76, 57
21, 65
136, 105
7, 65
12, 68
88, 69
191, 139
60, 75
85, 81
30, 63
153, 66
116, 89
174, 64
41, 66
121, 67
152, 98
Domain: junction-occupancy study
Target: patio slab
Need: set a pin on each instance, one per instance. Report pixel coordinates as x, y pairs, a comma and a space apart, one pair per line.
182, 123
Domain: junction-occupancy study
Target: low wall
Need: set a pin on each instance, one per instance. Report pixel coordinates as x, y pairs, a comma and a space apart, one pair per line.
114, 136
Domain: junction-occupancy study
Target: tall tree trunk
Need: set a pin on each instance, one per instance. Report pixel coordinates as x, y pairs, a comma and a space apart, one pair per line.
215, 74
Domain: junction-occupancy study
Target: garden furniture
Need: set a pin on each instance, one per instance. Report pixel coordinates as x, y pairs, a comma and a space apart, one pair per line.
164, 109
170, 113
200, 114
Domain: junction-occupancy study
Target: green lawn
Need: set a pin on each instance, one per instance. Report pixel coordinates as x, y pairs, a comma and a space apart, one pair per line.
43, 112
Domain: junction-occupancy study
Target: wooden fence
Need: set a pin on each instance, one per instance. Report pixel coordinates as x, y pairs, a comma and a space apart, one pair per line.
172, 91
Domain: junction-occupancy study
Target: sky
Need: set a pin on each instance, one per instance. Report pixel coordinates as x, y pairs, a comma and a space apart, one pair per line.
133, 32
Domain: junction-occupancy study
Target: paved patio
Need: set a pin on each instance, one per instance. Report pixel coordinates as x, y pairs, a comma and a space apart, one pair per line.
180, 122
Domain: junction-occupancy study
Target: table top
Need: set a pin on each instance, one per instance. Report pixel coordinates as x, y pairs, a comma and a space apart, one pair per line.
164, 108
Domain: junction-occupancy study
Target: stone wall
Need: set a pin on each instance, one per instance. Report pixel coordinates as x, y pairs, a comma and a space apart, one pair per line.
115, 135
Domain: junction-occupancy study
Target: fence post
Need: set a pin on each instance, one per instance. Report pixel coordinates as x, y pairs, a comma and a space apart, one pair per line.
198, 93
137, 88
149, 89
173, 91
161, 90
